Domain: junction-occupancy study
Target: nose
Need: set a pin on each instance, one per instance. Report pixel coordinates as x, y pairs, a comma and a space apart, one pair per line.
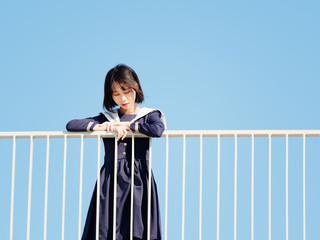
123, 97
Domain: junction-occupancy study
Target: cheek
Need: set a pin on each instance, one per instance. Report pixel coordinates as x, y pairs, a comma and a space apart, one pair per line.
115, 99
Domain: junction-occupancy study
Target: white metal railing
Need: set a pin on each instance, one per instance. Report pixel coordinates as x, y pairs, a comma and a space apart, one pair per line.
218, 134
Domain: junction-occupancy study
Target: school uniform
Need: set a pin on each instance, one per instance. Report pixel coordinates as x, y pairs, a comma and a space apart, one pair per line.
150, 122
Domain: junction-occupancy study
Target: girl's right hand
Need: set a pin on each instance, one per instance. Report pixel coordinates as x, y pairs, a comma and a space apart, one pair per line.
121, 130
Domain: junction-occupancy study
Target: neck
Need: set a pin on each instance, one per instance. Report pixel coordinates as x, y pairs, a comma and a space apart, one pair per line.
133, 110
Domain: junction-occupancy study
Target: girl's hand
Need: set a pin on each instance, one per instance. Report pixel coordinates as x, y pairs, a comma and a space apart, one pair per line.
125, 124
121, 130
106, 126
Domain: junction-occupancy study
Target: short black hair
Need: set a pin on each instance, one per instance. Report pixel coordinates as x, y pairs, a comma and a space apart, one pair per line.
124, 76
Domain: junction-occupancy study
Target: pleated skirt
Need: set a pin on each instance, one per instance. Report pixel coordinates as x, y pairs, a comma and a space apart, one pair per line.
140, 203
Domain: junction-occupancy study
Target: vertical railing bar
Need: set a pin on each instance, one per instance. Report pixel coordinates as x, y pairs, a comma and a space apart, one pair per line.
269, 186
12, 185
235, 187
149, 189
46, 190
115, 174
287, 187
166, 194
183, 186
132, 189
98, 188
200, 188
30, 187
218, 189
252, 187
304, 186
64, 186
80, 188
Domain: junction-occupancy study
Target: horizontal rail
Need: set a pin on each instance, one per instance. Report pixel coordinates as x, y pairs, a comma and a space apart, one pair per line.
170, 133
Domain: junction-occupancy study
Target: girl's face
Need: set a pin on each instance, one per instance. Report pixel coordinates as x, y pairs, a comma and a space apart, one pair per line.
125, 98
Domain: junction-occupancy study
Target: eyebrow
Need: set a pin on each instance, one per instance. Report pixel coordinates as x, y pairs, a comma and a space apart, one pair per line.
122, 90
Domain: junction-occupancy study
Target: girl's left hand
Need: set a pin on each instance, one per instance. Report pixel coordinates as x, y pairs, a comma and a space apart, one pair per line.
124, 124
121, 130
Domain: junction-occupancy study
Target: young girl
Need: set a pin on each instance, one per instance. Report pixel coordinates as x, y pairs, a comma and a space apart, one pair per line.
122, 88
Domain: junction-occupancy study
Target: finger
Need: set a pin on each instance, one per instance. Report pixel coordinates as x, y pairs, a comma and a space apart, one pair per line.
119, 134
111, 127
122, 134
125, 135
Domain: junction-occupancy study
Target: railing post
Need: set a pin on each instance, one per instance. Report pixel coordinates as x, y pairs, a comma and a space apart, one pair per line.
287, 187
12, 184
252, 187
132, 189
115, 172
269, 234
80, 188
200, 189
304, 186
30, 187
166, 193
149, 189
64, 185
46, 190
235, 187
218, 189
183, 185
98, 189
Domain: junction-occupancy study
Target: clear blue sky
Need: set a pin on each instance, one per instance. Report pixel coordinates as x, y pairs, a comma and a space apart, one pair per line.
206, 64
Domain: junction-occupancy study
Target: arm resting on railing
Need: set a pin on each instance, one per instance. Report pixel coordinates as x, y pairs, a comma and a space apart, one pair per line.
87, 124
150, 126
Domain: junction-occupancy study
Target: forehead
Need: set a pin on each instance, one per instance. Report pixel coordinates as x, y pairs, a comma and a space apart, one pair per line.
118, 87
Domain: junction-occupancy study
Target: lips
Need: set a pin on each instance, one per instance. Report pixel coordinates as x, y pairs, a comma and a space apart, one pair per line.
124, 105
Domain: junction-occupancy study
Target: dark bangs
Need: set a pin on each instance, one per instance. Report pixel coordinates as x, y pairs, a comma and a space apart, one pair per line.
126, 78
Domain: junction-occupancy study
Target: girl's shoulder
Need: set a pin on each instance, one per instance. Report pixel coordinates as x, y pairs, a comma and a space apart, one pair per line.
151, 111
144, 112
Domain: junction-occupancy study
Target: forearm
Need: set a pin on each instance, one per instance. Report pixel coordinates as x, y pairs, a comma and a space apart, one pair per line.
152, 127
80, 125
106, 126
87, 124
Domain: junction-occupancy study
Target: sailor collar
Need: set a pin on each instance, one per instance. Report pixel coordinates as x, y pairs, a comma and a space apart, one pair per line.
114, 117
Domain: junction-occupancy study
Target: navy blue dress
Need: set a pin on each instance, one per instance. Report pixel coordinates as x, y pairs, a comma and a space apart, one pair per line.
149, 125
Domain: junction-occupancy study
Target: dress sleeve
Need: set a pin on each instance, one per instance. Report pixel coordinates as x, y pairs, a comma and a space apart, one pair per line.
86, 124
152, 126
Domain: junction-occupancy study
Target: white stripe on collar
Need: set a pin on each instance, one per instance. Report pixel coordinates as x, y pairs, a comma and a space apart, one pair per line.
114, 117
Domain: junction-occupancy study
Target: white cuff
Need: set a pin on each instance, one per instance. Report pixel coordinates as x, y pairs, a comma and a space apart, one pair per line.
89, 126
136, 127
